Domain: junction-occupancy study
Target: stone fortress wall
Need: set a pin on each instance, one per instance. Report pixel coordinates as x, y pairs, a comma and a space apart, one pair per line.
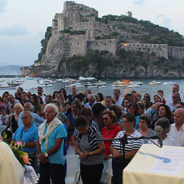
160, 50
176, 51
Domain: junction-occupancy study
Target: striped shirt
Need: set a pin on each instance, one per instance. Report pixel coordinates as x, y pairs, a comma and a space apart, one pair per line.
132, 144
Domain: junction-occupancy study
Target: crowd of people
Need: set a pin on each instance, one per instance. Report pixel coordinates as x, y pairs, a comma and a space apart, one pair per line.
52, 126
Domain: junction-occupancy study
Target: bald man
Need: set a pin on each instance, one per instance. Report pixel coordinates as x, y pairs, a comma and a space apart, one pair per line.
177, 129
11, 172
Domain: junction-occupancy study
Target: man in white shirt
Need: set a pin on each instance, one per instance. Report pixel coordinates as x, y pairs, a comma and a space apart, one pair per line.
177, 129
117, 97
175, 100
175, 89
40, 93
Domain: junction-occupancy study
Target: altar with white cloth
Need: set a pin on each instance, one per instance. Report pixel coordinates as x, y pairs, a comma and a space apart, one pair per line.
11, 171
156, 165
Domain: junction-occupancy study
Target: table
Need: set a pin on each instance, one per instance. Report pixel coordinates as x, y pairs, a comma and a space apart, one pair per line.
154, 165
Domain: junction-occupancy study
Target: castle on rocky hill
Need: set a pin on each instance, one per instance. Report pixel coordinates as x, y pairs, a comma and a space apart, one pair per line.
77, 30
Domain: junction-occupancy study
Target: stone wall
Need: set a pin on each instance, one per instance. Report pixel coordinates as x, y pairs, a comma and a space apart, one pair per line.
109, 45
177, 52
160, 50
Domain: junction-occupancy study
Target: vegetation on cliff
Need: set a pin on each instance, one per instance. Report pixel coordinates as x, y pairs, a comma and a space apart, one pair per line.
152, 33
102, 64
44, 42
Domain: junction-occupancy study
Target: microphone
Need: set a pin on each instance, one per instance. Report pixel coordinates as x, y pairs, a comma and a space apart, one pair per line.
158, 130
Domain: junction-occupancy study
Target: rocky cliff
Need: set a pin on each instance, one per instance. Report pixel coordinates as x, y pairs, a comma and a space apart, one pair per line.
81, 43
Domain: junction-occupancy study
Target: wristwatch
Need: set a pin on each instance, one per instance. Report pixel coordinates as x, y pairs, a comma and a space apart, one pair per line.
46, 155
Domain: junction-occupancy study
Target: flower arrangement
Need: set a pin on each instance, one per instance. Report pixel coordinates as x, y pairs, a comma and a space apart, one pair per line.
17, 147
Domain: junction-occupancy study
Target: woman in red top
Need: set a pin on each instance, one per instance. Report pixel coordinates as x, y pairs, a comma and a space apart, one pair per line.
109, 131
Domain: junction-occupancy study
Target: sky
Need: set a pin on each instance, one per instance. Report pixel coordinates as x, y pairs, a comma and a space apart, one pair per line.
23, 22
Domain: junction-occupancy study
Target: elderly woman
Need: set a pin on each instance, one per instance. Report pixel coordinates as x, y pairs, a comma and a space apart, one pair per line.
166, 138
50, 147
90, 151
13, 120
145, 127
118, 164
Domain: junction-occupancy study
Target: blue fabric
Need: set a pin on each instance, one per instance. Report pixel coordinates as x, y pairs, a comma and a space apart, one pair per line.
58, 132
152, 112
30, 135
70, 118
70, 98
137, 122
37, 120
89, 106
65, 142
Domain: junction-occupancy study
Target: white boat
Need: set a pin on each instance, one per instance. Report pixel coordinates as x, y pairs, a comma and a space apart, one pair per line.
153, 83
86, 78
100, 83
69, 80
133, 85
2, 80
103, 86
4, 85
77, 84
169, 82
45, 85
45, 81
19, 80
59, 80
92, 85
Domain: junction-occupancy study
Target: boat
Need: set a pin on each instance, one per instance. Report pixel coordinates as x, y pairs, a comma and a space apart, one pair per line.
29, 78
134, 84
169, 82
154, 83
94, 85
19, 80
77, 84
103, 86
59, 80
100, 83
15, 83
45, 85
69, 80
118, 84
86, 78
45, 81
4, 85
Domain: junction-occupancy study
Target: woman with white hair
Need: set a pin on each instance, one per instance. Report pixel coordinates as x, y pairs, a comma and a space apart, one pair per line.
50, 147
13, 120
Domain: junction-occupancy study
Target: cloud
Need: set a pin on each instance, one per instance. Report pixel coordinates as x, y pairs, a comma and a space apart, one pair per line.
139, 2
165, 21
16, 30
3, 3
